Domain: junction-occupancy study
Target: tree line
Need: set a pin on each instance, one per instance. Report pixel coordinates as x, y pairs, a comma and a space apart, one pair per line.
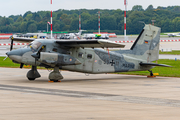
168, 18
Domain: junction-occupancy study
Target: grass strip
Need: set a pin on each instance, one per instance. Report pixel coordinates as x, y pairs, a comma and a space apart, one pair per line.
174, 52
173, 71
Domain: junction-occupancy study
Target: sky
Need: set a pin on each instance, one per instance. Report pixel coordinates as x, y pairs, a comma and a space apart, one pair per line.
17, 7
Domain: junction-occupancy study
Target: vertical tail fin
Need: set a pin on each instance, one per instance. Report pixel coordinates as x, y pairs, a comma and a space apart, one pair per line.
147, 44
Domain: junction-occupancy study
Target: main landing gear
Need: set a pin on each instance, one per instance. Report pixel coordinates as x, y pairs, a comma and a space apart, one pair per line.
33, 73
55, 75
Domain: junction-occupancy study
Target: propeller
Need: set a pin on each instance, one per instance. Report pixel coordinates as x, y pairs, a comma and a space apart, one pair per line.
11, 47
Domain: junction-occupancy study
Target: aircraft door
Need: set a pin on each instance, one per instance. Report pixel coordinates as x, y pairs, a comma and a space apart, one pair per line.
80, 56
86, 57
88, 60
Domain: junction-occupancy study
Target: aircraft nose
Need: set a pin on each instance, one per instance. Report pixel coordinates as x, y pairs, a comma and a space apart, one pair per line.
17, 52
15, 55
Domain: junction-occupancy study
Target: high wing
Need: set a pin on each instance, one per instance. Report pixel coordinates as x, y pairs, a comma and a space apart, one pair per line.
90, 43
24, 40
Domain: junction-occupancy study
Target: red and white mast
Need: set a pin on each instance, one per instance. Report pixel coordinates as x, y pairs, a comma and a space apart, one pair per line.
79, 20
99, 22
51, 18
125, 3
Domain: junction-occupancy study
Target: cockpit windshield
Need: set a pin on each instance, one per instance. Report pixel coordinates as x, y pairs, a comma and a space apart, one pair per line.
36, 45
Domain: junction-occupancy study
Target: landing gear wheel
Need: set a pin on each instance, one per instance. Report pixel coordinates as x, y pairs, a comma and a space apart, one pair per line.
55, 76
33, 73
31, 79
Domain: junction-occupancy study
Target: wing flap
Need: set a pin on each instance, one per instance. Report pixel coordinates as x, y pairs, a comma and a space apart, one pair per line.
154, 64
90, 43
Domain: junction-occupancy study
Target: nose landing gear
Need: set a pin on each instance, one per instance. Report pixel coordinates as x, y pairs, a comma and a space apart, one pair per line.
33, 73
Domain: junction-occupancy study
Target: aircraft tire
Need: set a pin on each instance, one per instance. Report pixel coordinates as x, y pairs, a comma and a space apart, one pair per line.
31, 79
54, 80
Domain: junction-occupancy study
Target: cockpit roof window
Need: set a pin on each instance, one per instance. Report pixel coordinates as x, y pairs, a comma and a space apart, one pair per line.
36, 45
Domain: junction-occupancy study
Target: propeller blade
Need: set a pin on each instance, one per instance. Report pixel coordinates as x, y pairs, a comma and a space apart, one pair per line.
11, 44
5, 58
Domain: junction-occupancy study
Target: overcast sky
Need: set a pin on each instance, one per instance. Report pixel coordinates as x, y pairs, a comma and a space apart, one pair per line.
17, 7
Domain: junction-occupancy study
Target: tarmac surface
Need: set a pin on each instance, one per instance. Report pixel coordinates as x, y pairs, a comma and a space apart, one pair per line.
94, 97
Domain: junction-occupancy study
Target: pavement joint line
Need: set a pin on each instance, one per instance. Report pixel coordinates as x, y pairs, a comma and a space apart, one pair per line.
96, 96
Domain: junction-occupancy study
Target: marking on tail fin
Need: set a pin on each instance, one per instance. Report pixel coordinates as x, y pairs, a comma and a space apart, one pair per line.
146, 42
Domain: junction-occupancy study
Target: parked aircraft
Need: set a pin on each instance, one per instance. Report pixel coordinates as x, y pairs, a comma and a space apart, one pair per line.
87, 56
172, 34
72, 35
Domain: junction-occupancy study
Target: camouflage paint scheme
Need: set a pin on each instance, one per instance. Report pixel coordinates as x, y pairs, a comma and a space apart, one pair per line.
87, 57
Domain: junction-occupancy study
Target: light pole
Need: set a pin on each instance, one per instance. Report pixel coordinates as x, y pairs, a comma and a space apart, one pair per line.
125, 3
51, 18
79, 19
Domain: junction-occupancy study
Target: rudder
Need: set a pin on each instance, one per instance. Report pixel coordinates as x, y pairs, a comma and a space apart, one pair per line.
147, 43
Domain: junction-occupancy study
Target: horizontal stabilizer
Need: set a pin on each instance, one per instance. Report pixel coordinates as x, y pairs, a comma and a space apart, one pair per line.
153, 64
90, 43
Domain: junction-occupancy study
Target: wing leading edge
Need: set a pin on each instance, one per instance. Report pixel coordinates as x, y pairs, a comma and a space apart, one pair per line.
90, 43
24, 40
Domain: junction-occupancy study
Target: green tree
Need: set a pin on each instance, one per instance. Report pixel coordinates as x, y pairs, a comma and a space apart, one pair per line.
32, 28
28, 17
150, 7
28, 12
74, 24
23, 27
85, 16
20, 19
137, 8
59, 15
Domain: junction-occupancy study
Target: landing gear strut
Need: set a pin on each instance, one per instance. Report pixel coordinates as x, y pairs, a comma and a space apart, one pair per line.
33, 73
55, 75
151, 73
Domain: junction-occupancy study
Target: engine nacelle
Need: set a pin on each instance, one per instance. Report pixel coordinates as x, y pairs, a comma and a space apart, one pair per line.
57, 59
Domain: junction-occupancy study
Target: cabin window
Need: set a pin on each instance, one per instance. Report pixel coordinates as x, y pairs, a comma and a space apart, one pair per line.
89, 56
80, 55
